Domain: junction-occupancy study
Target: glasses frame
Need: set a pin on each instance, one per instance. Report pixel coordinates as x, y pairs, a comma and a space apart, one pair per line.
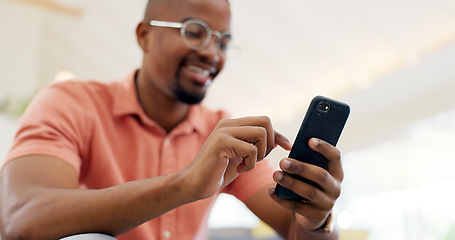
182, 27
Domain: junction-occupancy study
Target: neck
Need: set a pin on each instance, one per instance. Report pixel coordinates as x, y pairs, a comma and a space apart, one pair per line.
165, 110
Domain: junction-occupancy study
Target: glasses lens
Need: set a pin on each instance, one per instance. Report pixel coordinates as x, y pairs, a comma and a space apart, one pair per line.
195, 35
225, 42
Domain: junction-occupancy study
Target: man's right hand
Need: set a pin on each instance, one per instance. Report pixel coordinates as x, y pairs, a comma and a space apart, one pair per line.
233, 147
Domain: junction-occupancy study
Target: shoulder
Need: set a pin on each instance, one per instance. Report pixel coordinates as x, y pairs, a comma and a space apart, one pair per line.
80, 90
68, 101
216, 115
74, 94
211, 115
208, 117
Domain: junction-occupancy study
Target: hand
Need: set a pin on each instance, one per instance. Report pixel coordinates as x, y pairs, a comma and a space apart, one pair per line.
315, 210
233, 147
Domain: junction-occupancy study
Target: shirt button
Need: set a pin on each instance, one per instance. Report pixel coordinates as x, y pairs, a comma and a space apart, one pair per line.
166, 142
167, 234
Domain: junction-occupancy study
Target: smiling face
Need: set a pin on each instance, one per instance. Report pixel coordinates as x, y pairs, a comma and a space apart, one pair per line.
169, 65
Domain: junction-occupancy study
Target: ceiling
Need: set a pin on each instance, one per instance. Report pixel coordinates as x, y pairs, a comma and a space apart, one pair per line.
392, 61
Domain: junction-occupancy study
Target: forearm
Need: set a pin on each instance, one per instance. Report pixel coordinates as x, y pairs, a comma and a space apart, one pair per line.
112, 210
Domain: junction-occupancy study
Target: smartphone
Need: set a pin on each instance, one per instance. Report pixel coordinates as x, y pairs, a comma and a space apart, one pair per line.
325, 119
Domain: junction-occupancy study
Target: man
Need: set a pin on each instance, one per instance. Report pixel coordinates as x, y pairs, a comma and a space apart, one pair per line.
140, 159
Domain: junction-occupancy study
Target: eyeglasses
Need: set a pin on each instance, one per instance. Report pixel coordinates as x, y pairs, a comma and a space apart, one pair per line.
197, 34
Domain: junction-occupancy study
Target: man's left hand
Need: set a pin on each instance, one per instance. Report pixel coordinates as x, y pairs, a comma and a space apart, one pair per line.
311, 214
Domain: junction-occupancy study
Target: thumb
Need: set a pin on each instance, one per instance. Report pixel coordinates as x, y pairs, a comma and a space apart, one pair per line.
332, 154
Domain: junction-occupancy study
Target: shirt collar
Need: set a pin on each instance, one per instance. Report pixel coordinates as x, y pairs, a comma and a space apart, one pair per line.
125, 97
126, 103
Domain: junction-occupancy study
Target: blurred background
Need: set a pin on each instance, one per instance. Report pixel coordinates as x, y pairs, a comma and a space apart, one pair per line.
393, 62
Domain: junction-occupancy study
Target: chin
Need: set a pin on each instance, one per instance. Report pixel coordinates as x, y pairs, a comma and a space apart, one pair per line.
189, 98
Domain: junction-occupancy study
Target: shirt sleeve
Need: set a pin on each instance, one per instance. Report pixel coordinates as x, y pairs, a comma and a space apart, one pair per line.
54, 124
253, 181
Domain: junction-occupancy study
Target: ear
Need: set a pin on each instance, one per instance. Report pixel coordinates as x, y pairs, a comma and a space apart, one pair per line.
142, 31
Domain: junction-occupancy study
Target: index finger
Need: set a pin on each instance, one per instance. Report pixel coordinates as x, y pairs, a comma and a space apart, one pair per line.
282, 141
273, 138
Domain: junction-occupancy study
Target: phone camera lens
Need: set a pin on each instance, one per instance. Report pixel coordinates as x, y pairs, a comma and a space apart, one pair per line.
324, 106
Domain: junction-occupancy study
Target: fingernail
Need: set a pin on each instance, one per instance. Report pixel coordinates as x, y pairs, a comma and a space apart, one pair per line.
286, 164
314, 142
279, 176
271, 191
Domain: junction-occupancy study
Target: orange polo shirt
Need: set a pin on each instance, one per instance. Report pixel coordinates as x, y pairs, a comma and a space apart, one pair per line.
102, 131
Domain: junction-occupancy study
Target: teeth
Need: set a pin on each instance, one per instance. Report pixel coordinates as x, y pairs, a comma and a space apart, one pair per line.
199, 70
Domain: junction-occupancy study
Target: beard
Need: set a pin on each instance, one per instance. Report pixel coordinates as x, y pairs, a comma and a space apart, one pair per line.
187, 96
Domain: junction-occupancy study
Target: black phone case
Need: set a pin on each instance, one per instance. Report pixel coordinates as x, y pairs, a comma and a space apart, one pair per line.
325, 119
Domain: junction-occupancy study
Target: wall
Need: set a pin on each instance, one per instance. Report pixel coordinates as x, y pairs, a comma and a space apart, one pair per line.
20, 49
8, 126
